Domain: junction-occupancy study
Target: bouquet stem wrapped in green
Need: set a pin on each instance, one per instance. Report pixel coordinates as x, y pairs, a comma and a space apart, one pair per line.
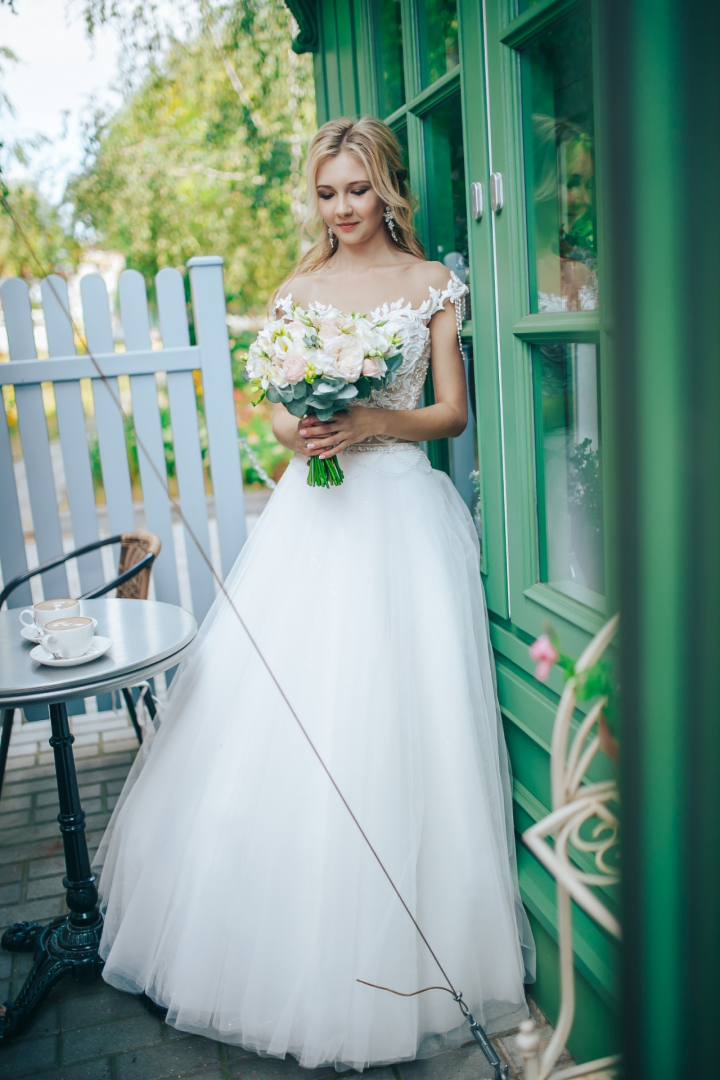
324, 472
317, 361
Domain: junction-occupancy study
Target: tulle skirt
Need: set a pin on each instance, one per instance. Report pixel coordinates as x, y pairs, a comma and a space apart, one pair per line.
238, 892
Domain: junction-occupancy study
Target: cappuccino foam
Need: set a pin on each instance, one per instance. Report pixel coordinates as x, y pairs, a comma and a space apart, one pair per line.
71, 623
55, 605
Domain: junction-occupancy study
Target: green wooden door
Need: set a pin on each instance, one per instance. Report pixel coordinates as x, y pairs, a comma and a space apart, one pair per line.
544, 160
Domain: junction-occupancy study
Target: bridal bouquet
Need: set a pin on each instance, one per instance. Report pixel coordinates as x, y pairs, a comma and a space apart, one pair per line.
317, 361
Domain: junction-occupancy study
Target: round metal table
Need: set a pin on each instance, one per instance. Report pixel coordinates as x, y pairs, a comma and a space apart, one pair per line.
147, 637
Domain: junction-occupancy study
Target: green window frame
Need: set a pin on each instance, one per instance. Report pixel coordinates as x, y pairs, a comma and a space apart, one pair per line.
532, 601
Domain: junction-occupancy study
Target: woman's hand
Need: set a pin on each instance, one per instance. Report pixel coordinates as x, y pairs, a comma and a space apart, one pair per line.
326, 438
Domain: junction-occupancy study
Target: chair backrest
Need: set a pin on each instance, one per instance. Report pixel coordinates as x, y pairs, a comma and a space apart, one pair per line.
134, 547
65, 370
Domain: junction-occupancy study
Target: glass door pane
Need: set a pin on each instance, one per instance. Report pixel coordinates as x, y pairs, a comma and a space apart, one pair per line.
569, 474
391, 74
402, 137
446, 194
438, 34
446, 214
557, 95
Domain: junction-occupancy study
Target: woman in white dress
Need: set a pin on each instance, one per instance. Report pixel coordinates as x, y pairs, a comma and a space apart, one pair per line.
239, 894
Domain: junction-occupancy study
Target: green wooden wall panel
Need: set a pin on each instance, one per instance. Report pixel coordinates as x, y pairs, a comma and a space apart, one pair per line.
530, 762
365, 59
330, 51
347, 57
321, 92
662, 84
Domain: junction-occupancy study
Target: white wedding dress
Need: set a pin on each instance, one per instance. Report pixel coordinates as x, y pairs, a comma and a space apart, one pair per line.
238, 892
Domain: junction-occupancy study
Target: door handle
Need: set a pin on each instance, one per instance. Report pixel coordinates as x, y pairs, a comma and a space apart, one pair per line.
476, 198
497, 193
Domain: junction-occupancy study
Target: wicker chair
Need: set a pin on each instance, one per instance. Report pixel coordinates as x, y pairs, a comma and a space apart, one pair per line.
138, 551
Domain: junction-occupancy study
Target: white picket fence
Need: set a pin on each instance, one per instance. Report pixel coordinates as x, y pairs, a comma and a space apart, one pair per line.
64, 368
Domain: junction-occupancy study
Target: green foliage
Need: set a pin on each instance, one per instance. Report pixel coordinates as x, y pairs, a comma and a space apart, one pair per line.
53, 246
206, 155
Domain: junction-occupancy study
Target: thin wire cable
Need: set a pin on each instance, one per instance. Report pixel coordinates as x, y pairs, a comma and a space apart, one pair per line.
176, 506
400, 993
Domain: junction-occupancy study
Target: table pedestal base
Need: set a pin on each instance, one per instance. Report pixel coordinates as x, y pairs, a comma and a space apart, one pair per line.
60, 949
68, 945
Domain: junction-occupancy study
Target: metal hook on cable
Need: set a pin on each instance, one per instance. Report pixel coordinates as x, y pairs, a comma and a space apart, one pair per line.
477, 1031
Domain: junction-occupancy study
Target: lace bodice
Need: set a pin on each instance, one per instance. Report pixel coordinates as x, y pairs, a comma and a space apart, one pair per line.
414, 326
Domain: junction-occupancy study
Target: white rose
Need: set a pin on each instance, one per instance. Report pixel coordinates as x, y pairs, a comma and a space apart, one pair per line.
325, 364
347, 353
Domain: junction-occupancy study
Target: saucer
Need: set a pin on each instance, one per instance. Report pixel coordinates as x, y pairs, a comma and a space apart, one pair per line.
30, 633
99, 647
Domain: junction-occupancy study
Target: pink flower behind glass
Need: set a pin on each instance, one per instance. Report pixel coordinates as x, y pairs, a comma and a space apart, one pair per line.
544, 653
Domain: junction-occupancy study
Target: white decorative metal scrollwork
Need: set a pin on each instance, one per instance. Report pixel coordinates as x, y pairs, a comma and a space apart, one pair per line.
574, 804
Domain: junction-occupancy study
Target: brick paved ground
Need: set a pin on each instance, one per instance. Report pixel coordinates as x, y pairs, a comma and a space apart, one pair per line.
95, 1032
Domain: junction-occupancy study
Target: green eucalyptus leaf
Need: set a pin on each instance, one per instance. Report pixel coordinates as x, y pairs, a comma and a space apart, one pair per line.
296, 408
347, 393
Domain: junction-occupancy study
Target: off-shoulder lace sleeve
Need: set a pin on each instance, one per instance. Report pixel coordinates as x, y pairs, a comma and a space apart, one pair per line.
282, 306
455, 291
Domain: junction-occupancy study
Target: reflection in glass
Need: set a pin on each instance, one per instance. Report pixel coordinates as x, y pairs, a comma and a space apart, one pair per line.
438, 32
569, 475
446, 196
391, 81
402, 137
560, 153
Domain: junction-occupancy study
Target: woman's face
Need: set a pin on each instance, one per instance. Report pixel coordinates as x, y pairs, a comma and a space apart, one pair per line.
346, 200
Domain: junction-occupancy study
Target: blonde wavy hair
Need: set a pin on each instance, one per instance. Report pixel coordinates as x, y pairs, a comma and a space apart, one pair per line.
375, 145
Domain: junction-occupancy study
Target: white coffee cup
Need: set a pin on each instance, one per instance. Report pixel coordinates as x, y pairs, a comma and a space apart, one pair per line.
69, 637
47, 610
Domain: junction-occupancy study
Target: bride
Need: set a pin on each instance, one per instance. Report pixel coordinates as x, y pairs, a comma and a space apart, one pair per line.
239, 893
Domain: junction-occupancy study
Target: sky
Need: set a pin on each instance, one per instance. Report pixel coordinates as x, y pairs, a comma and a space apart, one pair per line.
59, 72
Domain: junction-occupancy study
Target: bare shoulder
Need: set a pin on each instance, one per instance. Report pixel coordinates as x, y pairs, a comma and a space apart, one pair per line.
294, 285
427, 275
303, 287
438, 275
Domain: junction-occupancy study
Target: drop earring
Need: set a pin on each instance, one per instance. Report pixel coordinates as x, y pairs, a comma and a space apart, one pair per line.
331, 236
390, 222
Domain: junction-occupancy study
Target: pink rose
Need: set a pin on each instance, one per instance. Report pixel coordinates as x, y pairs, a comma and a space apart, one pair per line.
294, 364
328, 329
370, 367
545, 654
